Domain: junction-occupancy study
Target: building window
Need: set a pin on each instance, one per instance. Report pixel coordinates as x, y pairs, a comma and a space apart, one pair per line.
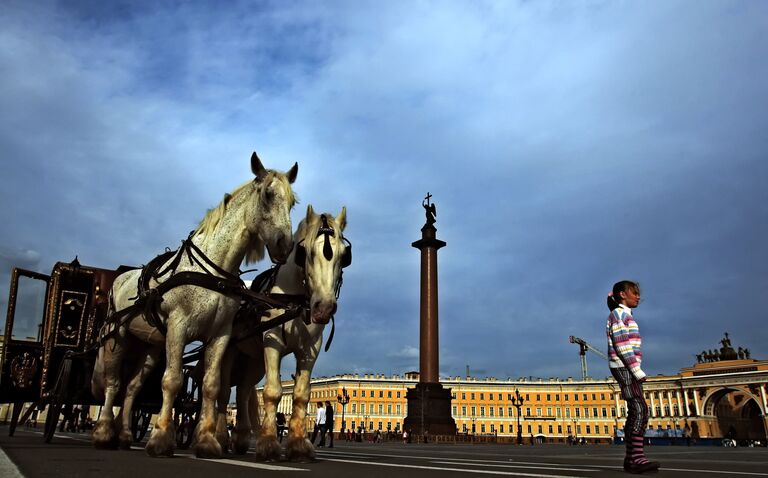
566, 397
569, 429
389, 426
527, 397
578, 411
586, 411
605, 412
472, 396
379, 426
538, 412
589, 430
353, 425
482, 411
398, 394
501, 411
509, 411
605, 429
381, 409
490, 411
584, 396
613, 412
578, 429
549, 397
473, 411
567, 413
501, 428
381, 393
354, 406
464, 428
397, 407
602, 397
594, 411
482, 396
464, 410
389, 394
389, 409
354, 393
527, 411
539, 428
463, 396
499, 397
538, 397
594, 397
575, 397
550, 430
549, 411
362, 393
530, 430
509, 397
482, 428
559, 429
557, 397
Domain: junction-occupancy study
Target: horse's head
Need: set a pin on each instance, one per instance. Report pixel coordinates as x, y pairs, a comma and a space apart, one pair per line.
322, 251
269, 221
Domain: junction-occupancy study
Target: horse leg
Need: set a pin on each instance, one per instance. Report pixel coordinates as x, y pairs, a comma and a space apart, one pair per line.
248, 404
222, 434
132, 390
299, 448
207, 446
109, 361
163, 438
267, 446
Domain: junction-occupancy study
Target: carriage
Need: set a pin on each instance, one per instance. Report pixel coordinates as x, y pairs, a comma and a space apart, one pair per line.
51, 340
49, 348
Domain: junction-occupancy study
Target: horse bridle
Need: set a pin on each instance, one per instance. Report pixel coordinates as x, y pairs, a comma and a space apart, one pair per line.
300, 257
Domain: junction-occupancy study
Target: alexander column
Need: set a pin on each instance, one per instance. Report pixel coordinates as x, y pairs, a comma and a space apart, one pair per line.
429, 404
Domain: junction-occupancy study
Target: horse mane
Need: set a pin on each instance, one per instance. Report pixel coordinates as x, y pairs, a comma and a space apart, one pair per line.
256, 248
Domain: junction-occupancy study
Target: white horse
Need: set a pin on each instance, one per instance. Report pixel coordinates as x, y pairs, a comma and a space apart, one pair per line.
314, 271
254, 216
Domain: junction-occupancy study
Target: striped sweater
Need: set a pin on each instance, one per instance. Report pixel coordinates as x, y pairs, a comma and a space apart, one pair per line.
624, 341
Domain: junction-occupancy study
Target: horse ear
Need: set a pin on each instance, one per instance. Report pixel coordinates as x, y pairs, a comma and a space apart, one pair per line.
258, 169
341, 219
310, 212
293, 172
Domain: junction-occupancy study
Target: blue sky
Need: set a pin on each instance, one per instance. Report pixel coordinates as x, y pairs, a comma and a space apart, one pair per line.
567, 145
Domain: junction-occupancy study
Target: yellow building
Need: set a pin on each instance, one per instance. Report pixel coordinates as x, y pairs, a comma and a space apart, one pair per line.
707, 400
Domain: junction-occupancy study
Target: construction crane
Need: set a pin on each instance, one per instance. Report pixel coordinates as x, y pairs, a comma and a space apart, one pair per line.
583, 347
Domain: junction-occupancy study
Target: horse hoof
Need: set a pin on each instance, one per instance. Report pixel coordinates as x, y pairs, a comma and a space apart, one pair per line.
241, 441
224, 441
300, 449
267, 448
161, 443
104, 436
125, 441
208, 447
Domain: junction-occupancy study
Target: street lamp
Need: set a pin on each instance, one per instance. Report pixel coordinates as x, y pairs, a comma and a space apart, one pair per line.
517, 402
343, 400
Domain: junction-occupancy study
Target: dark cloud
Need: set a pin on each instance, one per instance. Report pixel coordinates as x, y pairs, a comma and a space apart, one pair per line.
567, 147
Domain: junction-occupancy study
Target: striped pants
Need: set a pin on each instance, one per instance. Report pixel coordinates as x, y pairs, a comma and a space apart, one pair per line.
637, 413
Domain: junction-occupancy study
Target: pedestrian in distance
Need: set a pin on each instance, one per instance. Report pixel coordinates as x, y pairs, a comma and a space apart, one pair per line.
625, 356
320, 423
329, 422
280, 421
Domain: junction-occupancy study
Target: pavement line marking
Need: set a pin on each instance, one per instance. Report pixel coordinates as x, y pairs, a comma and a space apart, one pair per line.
511, 466
440, 468
663, 468
248, 464
8, 469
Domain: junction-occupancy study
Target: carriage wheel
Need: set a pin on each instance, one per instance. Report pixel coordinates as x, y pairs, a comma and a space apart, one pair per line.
57, 399
185, 428
140, 424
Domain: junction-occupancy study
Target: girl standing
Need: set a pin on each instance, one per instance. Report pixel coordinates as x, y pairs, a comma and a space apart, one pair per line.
625, 359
